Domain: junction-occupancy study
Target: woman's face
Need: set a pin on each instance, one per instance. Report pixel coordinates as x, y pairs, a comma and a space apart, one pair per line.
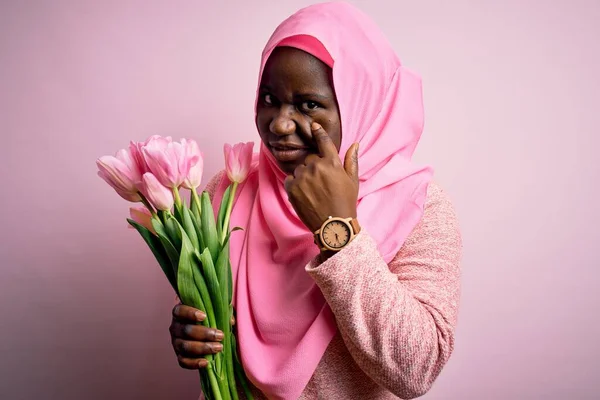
295, 91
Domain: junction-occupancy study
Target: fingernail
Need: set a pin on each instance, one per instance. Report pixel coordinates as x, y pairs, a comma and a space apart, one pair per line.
314, 126
217, 347
219, 335
200, 316
202, 363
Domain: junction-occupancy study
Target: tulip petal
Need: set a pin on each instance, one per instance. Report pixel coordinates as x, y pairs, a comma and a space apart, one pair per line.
115, 173
132, 169
195, 158
142, 216
157, 156
135, 148
116, 181
159, 196
238, 160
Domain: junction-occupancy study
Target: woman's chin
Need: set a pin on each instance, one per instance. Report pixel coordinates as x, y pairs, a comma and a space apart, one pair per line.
288, 167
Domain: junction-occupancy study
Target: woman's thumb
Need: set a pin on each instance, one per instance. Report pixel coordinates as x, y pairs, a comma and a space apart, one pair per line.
351, 162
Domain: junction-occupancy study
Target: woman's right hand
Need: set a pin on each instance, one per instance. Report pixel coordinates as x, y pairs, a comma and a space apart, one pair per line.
190, 340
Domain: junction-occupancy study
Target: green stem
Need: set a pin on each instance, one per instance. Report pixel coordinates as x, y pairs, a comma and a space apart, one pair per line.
230, 369
214, 384
177, 197
163, 216
196, 200
228, 212
224, 386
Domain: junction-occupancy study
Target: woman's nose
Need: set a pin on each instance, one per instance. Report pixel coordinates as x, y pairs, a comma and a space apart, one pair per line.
283, 123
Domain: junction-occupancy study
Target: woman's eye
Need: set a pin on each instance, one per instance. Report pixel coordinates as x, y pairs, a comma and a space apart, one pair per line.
310, 105
268, 99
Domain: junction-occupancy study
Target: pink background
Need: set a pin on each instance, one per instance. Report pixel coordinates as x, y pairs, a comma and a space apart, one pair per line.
512, 101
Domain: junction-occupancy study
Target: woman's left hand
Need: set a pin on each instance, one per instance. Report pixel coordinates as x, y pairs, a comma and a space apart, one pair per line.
323, 187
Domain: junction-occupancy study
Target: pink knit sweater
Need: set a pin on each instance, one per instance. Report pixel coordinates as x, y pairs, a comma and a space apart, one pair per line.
396, 321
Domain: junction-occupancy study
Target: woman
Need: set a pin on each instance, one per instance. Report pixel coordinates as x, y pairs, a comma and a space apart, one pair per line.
362, 306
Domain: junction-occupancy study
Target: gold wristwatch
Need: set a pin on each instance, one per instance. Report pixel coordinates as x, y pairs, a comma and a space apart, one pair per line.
336, 233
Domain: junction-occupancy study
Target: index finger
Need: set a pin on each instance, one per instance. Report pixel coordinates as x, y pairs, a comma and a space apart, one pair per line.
188, 313
324, 143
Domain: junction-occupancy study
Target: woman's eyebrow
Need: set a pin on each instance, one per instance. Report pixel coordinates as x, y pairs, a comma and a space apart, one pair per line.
313, 95
301, 95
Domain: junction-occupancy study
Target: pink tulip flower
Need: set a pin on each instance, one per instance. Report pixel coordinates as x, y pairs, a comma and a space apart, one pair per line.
194, 176
142, 216
168, 161
135, 148
158, 195
121, 173
238, 160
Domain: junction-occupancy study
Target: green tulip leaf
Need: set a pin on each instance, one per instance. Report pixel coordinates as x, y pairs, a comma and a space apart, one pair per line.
222, 211
193, 291
195, 205
188, 226
177, 212
223, 276
208, 227
214, 289
196, 223
173, 232
158, 251
170, 250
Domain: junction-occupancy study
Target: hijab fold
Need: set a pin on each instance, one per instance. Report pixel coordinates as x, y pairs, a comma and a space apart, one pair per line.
283, 321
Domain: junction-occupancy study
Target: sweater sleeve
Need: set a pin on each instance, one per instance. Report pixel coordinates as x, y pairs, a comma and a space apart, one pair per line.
213, 184
398, 320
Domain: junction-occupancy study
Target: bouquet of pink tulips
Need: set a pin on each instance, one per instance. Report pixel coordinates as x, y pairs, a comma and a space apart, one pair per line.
189, 243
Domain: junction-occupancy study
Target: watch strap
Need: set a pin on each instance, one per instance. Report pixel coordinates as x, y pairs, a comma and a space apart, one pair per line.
355, 226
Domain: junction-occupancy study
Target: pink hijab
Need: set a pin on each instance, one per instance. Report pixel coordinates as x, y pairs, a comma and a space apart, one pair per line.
284, 323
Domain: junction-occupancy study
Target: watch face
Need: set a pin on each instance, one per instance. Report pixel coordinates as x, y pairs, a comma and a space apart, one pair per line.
336, 234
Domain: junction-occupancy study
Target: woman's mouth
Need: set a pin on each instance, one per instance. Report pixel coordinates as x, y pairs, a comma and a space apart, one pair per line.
289, 153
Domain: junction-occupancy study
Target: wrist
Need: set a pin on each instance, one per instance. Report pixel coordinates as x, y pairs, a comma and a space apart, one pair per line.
335, 234
326, 255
